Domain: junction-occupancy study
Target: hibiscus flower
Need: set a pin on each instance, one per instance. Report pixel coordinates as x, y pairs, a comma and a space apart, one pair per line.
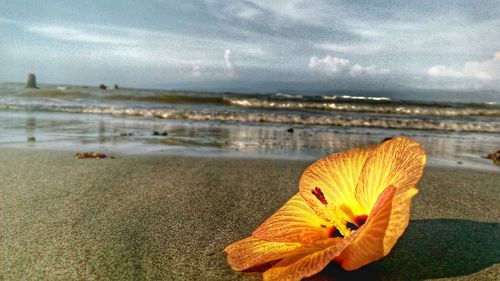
351, 209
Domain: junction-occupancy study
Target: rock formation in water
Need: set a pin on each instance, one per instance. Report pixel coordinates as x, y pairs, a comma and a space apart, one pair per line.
31, 81
103, 87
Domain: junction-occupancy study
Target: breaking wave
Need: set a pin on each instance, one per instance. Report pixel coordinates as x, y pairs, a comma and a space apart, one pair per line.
353, 120
376, 105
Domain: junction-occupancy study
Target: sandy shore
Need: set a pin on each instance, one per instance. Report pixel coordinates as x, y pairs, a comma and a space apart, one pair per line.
169, 218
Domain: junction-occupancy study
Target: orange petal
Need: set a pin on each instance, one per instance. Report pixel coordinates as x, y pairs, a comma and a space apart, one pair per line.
308, 260
336, 177
398, 162
294, 222
251, 252
386, 223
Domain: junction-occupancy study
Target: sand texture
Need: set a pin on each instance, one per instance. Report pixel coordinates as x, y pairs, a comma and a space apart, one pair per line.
169, 218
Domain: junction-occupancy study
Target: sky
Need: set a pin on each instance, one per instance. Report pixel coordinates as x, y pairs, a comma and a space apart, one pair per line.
254, 44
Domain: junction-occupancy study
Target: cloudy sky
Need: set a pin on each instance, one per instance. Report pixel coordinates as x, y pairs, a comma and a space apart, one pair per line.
254, 44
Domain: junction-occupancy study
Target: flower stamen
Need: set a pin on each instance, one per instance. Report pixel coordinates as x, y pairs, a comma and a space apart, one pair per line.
319, 195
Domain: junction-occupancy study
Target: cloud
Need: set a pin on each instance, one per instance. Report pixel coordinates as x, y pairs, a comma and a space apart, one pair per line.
246, 11
331, 64
480, 70
228, 64
136, 47
278, 12
444, 71
77, 35
8, 21
334, 65
350, 48
107, 35
296, 10
357, 70
196, 71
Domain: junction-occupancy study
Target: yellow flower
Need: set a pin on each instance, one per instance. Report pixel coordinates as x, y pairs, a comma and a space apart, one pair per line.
351, 208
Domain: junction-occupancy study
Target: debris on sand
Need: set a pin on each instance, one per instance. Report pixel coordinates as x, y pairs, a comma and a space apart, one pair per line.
495, 157
92, 154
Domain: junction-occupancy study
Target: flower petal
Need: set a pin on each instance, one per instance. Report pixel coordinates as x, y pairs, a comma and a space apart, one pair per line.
308, 260
294, 222
398, 162
386, 223
336, 177
250, 252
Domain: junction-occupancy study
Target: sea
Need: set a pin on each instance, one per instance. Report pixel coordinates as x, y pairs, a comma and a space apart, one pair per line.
456, 128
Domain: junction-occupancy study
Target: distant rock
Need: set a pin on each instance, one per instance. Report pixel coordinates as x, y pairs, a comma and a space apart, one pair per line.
31, 81
102, 87
124, 134
115, 87
495, 157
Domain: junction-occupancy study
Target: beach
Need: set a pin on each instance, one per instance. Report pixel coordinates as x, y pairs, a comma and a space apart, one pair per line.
139, 139
168, 217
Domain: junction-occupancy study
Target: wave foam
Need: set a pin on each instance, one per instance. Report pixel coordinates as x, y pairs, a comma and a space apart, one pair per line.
395, 108
276, 117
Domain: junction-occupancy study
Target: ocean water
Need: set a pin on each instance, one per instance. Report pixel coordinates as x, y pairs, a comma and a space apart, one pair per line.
453, 127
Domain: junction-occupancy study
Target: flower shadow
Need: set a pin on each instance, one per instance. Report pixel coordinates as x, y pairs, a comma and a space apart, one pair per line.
429, 249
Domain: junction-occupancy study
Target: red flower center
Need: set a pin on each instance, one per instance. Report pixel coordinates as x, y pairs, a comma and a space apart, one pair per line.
360, 220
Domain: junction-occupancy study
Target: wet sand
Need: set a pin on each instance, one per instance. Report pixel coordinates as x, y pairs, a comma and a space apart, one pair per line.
169, 218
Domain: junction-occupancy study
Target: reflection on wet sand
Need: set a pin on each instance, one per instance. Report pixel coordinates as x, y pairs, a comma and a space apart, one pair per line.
254, 140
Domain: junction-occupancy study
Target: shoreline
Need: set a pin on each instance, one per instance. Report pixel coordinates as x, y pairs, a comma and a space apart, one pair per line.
467, 162
140, 217
79, 132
